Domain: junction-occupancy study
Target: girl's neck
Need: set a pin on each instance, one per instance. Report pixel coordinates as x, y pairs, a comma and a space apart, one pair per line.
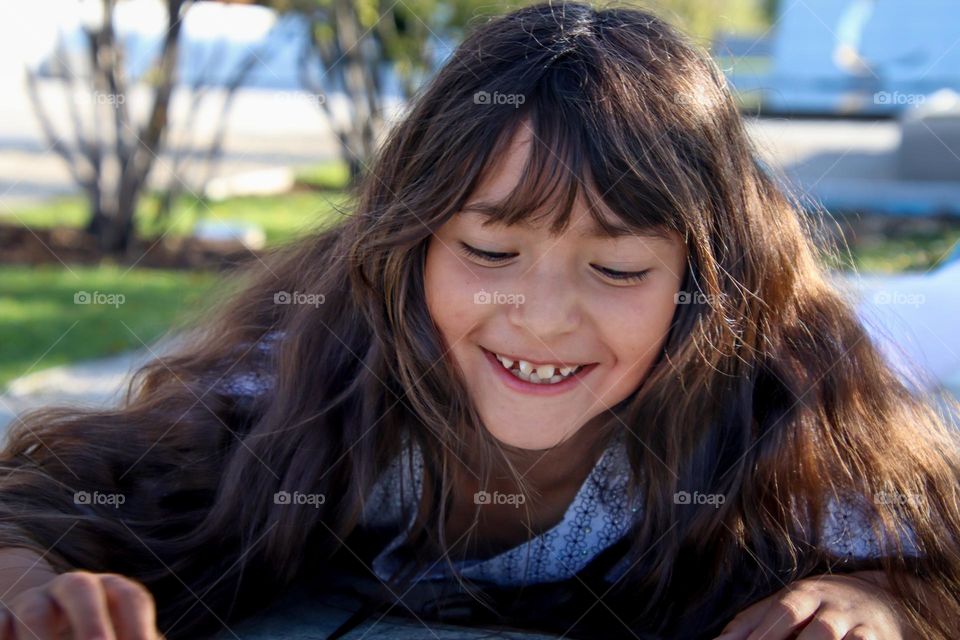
546, 469
551, 479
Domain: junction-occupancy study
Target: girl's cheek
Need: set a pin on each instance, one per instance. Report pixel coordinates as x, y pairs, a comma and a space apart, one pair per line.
639, 323
485, 276
453, 294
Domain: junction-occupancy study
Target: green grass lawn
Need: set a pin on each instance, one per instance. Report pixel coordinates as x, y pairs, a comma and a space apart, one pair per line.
282, 216
909, 252
41, 325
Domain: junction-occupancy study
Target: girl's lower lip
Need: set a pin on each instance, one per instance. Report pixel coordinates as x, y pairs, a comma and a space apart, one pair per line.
523, 386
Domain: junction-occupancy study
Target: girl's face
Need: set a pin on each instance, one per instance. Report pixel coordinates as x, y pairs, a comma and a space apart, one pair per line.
546, 304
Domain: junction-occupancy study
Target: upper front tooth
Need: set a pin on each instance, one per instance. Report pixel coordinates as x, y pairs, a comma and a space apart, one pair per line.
545, 371
525, 366
566, 371
507, 362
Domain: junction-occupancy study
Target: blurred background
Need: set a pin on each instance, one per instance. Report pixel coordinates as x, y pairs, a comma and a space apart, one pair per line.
148, 145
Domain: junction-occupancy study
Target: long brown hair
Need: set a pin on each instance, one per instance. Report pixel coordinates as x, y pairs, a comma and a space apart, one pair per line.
768, 390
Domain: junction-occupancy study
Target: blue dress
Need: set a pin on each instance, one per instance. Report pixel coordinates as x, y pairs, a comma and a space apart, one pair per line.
599, 516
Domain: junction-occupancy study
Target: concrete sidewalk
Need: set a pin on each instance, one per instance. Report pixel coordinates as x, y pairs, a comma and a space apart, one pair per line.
88, 384
94, 383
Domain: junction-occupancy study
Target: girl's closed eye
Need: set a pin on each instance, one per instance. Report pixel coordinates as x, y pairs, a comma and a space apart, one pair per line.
623, 276
488, 256
499, 257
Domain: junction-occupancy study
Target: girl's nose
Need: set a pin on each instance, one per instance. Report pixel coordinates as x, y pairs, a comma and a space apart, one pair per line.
547, 306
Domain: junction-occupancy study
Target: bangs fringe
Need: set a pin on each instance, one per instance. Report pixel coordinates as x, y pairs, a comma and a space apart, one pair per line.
558, 171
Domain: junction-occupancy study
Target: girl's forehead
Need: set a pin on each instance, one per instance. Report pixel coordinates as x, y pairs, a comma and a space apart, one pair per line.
504, 169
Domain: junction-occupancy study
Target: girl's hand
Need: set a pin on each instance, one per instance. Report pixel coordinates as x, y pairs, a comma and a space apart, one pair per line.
82, 605
828, 607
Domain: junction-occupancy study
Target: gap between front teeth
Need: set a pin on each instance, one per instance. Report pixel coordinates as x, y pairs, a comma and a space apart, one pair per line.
544, 374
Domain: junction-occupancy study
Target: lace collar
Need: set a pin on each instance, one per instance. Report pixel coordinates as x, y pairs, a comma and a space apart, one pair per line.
598, 516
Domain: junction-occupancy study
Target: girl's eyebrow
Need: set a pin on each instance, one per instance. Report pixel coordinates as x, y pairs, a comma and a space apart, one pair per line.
488, 211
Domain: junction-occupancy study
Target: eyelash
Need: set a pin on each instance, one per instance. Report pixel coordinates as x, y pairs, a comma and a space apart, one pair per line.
622, 276
485, 255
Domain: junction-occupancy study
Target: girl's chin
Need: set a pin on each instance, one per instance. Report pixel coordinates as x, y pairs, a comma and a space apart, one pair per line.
531, 439
530, 445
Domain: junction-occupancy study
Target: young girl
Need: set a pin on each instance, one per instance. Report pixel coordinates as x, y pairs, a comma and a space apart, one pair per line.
571, 364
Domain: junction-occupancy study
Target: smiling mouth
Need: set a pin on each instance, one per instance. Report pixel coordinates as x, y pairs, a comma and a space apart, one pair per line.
542, 374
